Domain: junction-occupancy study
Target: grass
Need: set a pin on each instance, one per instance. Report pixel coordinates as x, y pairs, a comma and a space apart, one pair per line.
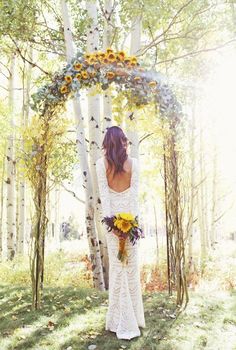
73, 318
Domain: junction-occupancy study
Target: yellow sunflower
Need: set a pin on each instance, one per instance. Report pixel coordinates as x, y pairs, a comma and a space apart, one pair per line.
84, 74
110, 75
63, 89
133, 59
123, 225
109, 50
126, 216
105, 60
91, 60
87, 56
78, 76
78, 66
68, 79
97, 54
102, 54
111, 57
121, 54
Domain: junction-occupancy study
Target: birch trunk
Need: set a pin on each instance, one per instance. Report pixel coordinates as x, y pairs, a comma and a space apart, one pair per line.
49, 233
82, 150
11, 208
192, 189
156, 233
22, 185
2, 196
57, 216
213, 200
201, 201
135, 46
107, 101
95, 135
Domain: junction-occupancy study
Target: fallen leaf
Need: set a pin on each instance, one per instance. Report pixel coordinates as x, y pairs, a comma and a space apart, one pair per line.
51, 325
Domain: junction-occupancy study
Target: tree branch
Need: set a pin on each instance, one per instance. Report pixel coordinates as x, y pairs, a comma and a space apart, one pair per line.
33, 64
198, 52
73, 194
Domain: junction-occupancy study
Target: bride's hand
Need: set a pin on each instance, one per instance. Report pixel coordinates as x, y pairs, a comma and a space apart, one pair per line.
116, 232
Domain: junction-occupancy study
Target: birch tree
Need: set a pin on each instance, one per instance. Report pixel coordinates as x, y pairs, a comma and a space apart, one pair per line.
214, 200
27, 75
135, 46
82, 151
107, 31
10, 156
190, 228
95, 133
201, 202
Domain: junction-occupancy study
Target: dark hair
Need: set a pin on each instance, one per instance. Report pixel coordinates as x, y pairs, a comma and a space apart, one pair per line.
115, 145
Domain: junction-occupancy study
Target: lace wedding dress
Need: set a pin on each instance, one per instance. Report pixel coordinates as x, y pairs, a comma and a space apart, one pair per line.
125, 310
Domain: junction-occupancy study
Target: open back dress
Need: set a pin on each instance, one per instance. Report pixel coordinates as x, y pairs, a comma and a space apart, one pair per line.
125, 308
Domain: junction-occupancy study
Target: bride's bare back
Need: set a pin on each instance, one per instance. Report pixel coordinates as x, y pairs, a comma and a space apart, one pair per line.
121, 181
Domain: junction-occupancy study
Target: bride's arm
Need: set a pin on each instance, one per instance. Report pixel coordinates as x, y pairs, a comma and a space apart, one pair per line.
103, 187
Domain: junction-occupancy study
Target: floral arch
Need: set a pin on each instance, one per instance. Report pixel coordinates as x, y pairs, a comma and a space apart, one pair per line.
141, 87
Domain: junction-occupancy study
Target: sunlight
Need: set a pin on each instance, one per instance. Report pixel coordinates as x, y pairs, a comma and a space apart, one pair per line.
220, 102
218, 110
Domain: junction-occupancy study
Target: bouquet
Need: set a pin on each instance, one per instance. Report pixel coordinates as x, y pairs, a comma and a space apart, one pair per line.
124, 225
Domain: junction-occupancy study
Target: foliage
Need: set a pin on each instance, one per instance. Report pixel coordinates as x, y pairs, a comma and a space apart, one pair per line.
17, 272
61, 152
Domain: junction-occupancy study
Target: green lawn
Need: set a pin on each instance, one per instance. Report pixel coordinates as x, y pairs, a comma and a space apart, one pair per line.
73, 319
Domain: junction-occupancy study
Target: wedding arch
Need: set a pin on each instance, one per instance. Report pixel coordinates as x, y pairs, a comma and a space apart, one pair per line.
140, 87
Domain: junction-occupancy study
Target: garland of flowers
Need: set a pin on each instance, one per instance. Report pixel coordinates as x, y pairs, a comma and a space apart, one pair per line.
102, 69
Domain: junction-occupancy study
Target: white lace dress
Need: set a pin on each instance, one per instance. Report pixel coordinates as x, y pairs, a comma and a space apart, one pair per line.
125, 310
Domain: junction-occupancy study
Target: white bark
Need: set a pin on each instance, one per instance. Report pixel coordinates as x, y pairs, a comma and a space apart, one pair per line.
156, 233
82, 150
135, 46
201, 202
22, 239
107, 101
192, 189
11, 207
95, 134
213, 199
57, 216
2, 202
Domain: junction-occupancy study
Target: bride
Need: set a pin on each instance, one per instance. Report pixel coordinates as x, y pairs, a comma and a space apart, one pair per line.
118, 176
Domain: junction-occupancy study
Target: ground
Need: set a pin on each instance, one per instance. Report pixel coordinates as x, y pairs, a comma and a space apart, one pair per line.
73, 319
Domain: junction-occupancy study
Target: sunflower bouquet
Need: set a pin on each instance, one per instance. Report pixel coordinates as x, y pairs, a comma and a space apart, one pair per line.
124, 225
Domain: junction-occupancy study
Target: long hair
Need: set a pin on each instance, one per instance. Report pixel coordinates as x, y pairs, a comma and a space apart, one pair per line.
115, 145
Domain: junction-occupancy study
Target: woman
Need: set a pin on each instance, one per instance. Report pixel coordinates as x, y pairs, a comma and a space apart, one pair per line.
118, 176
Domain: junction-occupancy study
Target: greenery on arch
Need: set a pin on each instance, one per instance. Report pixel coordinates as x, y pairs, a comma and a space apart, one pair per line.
101, 69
